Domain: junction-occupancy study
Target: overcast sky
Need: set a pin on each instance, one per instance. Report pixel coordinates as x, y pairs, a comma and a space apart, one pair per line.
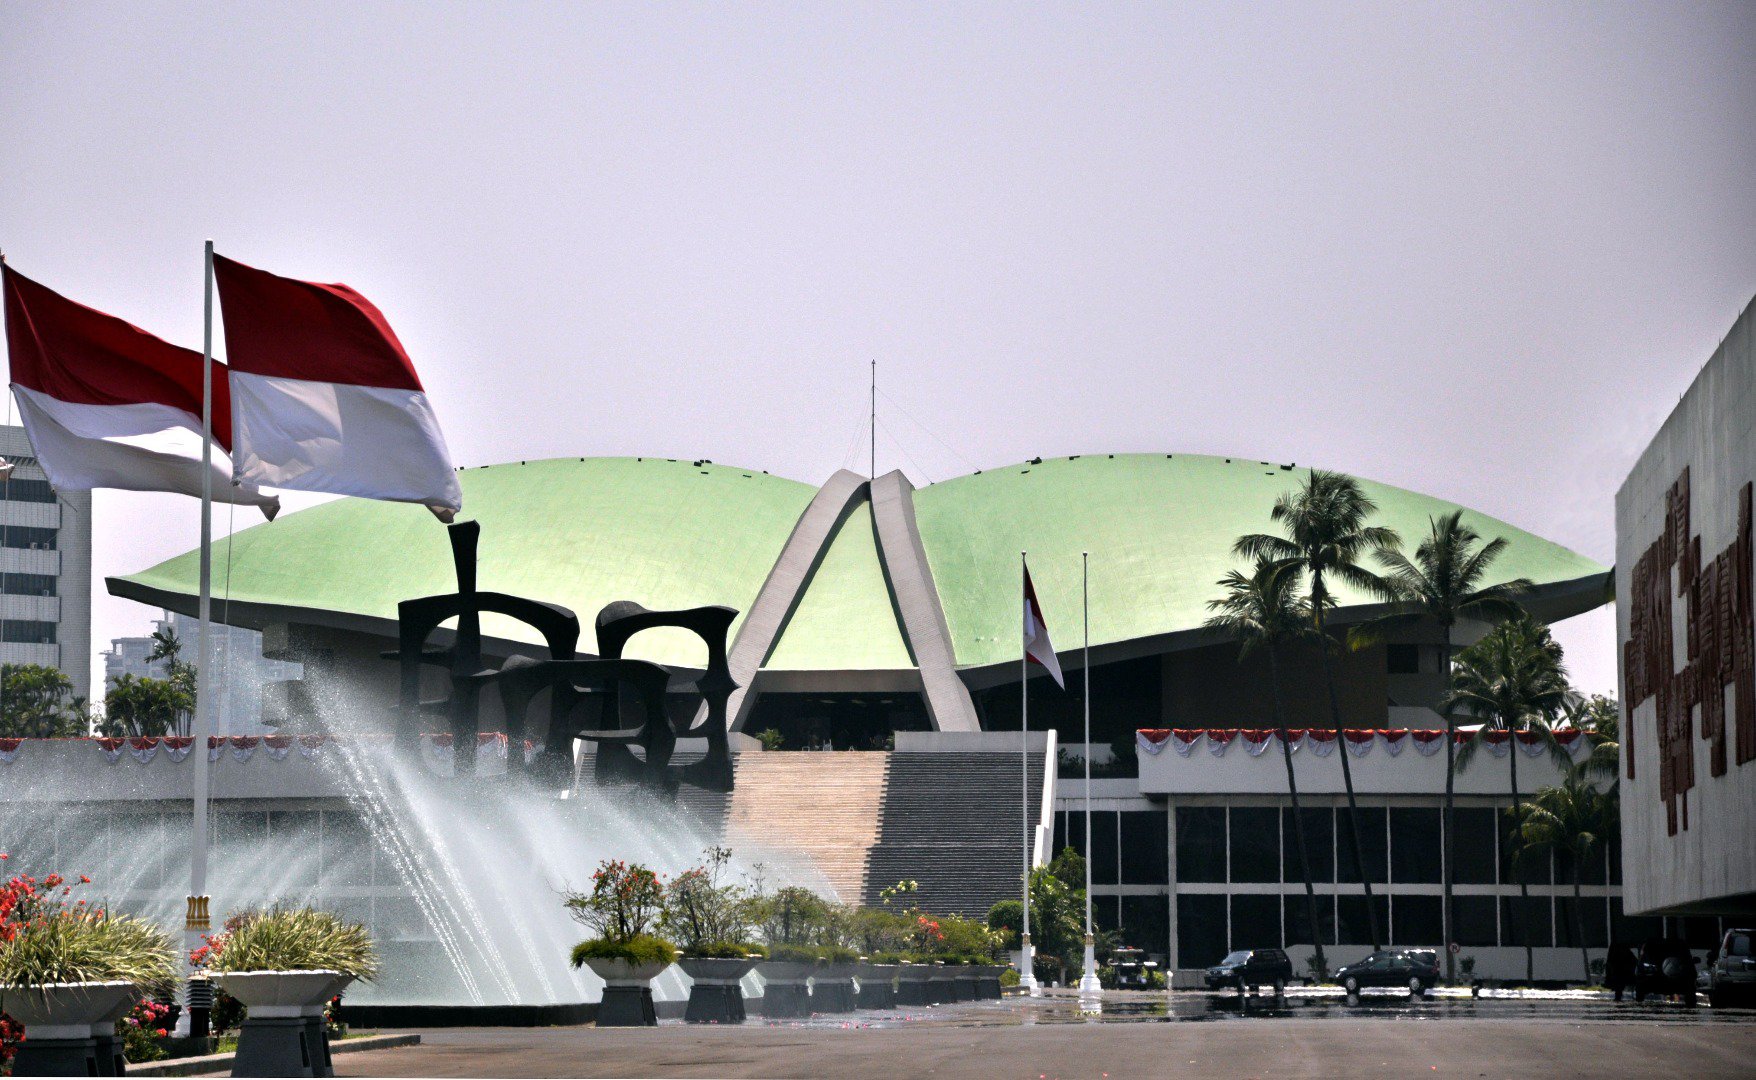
1475, 250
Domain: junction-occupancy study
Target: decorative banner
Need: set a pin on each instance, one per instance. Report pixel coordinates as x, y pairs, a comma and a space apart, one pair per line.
112, 749
1394, 740
216, 745
1220, 738
1295, 738
1532, 744
243, 746
1183, 740
177, 746
1256, 740
438, 754
1152, 740
1572, 739
1322, 742
277, 747
143, 750
1498, 742
9, 750
531, 751
310, 745
1428, 741
1358, 741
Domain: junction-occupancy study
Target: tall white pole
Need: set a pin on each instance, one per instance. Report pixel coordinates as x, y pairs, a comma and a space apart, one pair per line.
1088, 982
873, 415
195, 921
1027, 979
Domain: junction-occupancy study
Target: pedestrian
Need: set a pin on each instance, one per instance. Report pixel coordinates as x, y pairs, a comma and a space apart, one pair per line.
1619, 967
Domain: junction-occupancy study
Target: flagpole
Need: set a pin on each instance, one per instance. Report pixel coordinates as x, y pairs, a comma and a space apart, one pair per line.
195, 919
1088, 982
1027, 979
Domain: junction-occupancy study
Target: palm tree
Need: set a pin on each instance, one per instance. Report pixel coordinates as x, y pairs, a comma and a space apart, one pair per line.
1327, 536
1262, 611
1442, 584
1600, 718
1513, 680
1573, 818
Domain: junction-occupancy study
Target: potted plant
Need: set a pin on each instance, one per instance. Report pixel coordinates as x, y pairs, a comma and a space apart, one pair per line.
283, 965
711, 922
832, 989
789, 921
624, 901
68, 971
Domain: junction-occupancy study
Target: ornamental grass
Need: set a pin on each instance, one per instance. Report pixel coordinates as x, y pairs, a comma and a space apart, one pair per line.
72, 946
638, 950
293, 939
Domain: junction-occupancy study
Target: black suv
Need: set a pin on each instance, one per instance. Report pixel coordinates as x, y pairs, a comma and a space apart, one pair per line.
1249, 968
1417, 969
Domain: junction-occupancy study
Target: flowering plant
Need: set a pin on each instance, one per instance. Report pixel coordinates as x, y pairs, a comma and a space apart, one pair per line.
707, 917
144, 1032
625, 899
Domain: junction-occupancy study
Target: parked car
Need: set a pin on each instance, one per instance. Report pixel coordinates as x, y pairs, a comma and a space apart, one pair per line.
1247, 968
1131, 968
1666, 966
1416, 969
1732, 978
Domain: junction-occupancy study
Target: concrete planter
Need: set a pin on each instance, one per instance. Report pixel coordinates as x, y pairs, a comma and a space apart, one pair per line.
58, 1021
627, 998
786, 994
914, 984
942, 985
716, 996
877, 985
283, 1022
106, 1044
833, 988
967, 982
988, 982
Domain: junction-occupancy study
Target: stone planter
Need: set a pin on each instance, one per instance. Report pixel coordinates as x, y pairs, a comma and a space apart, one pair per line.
716, 997
786, 994
832, 990
58, 1021
988, 982
627, 998
106, 1044
283, 1021
942, 985
877, 985
967, 982
914, 984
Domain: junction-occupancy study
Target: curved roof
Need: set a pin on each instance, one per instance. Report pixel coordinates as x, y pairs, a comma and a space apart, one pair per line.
667, 533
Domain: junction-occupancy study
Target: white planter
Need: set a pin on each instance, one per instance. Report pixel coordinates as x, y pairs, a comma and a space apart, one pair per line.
716, 972
65, 1010
620, 972
269, 995
785, 972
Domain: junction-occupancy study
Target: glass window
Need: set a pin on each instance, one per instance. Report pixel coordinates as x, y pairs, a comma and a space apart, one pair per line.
26, 537
1532, 869
1103, 845
1103, 912
135, 842
1255, 921
1062, 840
1350, 919
29, 584
1415, 845
1146, 922
1255, 843
1296, 919
1632, 929
1475, 922
1475, 845
1417, 920
1144, 860
1372, 843
23, 489
1595, 916
1201, 843
347, 853
29, 632
298, 833
1529, 922
1614, 850
1201, 929
1592, 873
1402, 659
1319, 844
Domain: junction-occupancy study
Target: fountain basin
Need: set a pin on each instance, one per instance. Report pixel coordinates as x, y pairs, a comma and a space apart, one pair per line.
833, 989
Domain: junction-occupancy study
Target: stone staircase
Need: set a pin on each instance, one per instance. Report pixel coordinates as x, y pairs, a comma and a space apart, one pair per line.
821, 808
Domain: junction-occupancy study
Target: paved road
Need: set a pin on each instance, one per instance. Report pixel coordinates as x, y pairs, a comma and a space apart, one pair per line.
1046, 1041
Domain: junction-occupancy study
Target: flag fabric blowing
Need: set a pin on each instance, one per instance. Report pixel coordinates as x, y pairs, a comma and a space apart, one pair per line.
1037, 647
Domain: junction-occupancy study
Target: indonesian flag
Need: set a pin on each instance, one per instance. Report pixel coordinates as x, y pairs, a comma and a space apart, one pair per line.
325, 398
1037, 648
106, 404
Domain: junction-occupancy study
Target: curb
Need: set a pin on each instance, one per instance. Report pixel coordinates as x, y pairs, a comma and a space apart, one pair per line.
218, 1063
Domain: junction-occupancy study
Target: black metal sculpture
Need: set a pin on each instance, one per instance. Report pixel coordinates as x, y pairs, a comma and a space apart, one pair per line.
588, 697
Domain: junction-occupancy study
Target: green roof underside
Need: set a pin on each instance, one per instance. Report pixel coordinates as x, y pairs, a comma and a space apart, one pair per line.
846, 620
1160, 530
576, 533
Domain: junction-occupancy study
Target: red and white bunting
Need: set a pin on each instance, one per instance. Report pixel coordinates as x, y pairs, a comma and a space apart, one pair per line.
1220, 738
143, 750
1321, 742
1152, 740
9, 749
1359, 743
112, 748
277, 747
310, 746
177, 746
1257, 740
1394, 740
1428, 741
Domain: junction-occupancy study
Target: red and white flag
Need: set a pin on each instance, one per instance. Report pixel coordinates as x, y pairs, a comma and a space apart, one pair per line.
324, 397
1037, 647
106, 404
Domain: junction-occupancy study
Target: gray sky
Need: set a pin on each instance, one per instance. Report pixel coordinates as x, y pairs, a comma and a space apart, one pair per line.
1475, 250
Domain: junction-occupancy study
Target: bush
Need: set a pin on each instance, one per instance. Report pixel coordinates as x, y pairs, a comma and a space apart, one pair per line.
143, 1032
707, 918
771, 739
724, 950
640, 949
1009, 977
792, 916
888, 957
625, 899
291, 939
784, 953
75, 945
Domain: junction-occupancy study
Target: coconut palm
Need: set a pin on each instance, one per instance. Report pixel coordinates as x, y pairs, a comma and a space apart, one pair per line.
1572, 818
1442, 584
1514, 681
1600, 718
1263, 610
1328, 538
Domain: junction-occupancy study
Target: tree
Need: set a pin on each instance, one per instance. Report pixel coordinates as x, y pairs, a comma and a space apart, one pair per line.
1264, 611
1057, 915
141, 707
1514, 681
1600, 718
1442, 584
168, 647
1327, 537
1574, 819
37, 702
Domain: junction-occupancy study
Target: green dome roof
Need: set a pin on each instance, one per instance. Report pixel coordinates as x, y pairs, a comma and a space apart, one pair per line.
668, 533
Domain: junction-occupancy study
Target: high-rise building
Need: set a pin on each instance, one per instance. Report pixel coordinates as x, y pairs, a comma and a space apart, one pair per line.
45, 568
240, 669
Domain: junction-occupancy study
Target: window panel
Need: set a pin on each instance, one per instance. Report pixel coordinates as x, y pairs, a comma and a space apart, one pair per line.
1372, 843
1201, 929
1417, 920
1477, 830
1255, 921
1594, 915
1475, 925
1146, 922
1255, 843
1529, 922
1632, 929
1296, 919
1350, 919
1144, 860
1201, 843
1103, 912
1319, 843
1103, 845
1415, 845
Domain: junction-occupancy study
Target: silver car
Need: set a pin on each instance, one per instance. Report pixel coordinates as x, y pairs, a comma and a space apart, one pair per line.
1732, 978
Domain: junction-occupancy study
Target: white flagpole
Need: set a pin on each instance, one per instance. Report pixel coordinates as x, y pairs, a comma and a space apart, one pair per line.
195, 920
1027, 979
1088, 982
